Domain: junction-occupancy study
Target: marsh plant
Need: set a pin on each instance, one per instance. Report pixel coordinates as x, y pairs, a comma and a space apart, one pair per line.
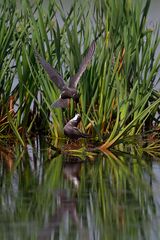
117, 91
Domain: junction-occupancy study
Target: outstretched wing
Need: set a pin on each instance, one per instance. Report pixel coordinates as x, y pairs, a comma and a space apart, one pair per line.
52, 72
61, 103
86, 60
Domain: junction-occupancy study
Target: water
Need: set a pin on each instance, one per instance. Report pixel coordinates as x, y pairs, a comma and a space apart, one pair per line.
48, 194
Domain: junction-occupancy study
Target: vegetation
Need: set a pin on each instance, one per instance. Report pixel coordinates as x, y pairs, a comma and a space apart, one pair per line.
117, 91
76, 193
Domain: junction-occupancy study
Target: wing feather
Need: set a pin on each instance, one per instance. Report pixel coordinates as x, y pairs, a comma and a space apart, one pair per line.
61, 103
86, 60
52, 72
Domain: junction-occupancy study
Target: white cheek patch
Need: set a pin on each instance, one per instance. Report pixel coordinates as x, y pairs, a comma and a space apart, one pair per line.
75, 117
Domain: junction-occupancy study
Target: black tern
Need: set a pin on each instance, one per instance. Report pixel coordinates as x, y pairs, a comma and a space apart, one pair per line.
71, 130
69, 91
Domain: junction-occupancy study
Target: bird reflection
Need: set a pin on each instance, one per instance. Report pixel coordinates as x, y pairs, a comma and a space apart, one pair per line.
72, 169
65, 205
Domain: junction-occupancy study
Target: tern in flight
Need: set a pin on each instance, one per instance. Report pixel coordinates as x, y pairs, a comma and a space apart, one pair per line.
70, 91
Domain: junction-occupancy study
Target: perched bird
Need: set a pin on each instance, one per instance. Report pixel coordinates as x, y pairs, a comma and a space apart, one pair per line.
69, 91
71, 130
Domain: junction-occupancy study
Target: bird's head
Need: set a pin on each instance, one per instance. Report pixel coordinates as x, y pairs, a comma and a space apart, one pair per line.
74, 121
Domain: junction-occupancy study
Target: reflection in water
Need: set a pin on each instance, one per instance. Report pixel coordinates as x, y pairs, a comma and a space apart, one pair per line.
71, 170
65, 206
54, 196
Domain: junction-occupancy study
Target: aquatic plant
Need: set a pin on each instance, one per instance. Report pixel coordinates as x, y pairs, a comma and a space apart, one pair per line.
117, 90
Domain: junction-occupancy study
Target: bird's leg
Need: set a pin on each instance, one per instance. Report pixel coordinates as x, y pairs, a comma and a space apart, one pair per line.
70, 108
75, 105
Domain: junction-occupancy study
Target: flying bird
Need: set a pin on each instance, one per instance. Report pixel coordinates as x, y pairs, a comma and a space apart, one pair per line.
70, 90
71, 130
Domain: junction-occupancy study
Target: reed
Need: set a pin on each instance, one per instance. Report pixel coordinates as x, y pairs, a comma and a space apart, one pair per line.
117, 90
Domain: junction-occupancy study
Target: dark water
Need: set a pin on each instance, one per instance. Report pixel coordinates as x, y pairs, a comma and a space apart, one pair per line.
48, 194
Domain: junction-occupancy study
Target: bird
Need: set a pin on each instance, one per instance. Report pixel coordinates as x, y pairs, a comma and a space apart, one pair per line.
71, 130
70, 90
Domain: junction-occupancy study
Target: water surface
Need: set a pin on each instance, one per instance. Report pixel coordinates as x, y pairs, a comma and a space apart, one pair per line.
48, 194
